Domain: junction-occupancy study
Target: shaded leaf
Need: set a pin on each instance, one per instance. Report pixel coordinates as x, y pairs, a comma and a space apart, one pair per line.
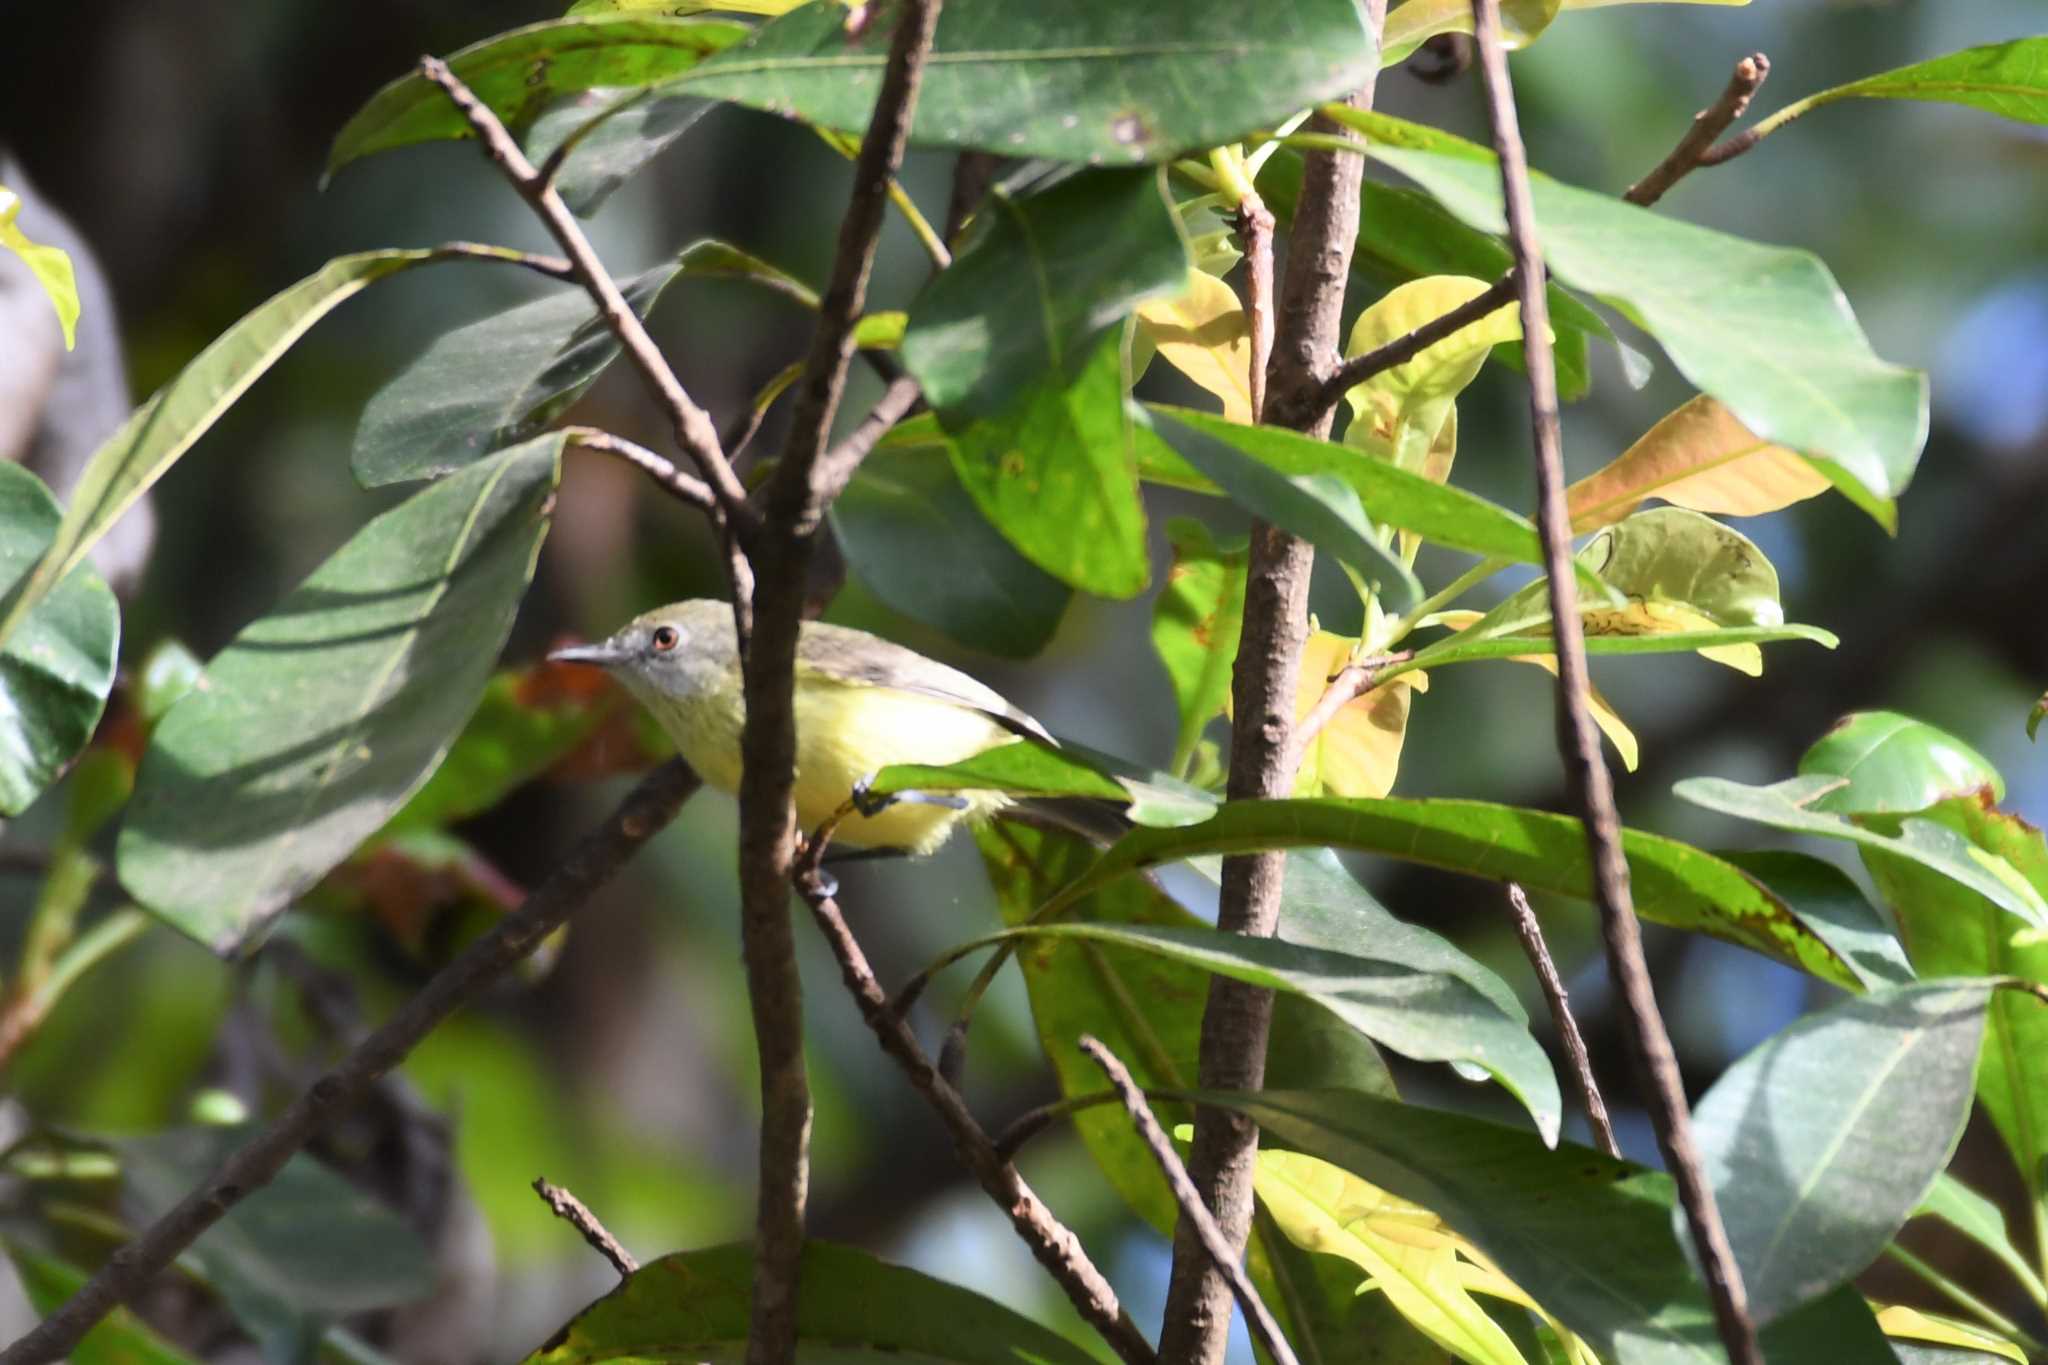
491, 384
139, 452
518, 73
1604, 715
1764, 329
1699, 456
320, 719
2037, 715
1977, 1218
50, 266
1068, 80
694, 1305
1411, 25
1587, 1237
1202, 332
1041, 279
1673, 883
120, 1338
616, 132
1196, 621
1788, 806
1056, 473
1885, 762
1834, 907
58, 667
914, 537
1822, 1140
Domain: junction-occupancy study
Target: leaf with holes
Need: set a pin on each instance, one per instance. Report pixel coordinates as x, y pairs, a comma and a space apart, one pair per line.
319, 720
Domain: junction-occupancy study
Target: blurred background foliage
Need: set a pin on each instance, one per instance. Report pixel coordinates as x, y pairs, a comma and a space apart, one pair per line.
186, 143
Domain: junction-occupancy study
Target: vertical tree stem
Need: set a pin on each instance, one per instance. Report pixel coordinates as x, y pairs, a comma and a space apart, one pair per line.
1579, 743
1238, 1017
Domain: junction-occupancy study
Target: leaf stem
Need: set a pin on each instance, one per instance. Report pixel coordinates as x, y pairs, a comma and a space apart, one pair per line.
1405, 624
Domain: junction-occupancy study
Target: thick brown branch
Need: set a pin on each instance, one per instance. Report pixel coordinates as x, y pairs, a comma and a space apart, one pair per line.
659, 468
1050, 1241
1530, 932
1696, 148
1578, 741
778, 546
1403, 349
694, 431
649, 808
577, 1215
1221, 1253
1237, 1016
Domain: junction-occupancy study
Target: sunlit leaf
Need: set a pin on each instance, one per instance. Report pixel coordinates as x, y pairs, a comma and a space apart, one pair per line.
1196, 621
1202, 332
50, 266
2007, 79
1358, 751
1604, 715
1889, 763
1983, 1222
321, 718
1828, 902
1701, 457
518, 72
1902, 1322
1414, 23
1400, 411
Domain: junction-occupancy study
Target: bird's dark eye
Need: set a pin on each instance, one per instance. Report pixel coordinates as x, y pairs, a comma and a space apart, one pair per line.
666, 638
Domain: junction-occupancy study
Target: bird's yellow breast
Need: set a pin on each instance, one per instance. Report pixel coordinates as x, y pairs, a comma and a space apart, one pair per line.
845, 733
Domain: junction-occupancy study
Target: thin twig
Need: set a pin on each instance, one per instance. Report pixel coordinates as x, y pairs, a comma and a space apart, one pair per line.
645, 811
1579, 742
577, 1215
554, 267
1349, 684
1237, 1016
1050, 1241
659, 468
836, 466
1403, 349
1032, 1122
1255, 229
1224, 1256
778, 545
1531, 933
1694, 149
694, 430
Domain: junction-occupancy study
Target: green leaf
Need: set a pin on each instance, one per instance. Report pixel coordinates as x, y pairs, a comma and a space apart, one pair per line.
614, 132
1953, 931
1586, 1236
131, 460
1068, 80
281, 1283
1828, 902
1788, 806
2007, 79
50, 266
491, 384
1321, 506
694, 1306
56, 670
1029, 768
1459, 649
1056, 473
120, 1338
1041, 279
1427, 1016
1196, 621
1673, 883
1764, 329
320, 719
2037, 715
1977, 1218
519, 72
1823, 1140
915, 538
1889, 763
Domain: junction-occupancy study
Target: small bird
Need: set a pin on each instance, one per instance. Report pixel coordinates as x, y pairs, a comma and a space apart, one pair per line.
862, 703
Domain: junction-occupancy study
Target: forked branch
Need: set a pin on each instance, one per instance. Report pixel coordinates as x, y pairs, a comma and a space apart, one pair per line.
1697, 148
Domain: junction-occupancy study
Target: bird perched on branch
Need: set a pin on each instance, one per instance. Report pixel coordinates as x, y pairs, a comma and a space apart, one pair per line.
862, 703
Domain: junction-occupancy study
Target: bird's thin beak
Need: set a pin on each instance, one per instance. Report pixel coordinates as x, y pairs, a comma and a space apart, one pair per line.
603, 654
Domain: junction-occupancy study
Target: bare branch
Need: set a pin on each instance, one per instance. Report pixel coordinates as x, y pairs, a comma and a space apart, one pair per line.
577, 1215
1403, 349
1531, 933
778, 545
1237, 1016
836, 466
598, 855
1221, 1253
1051, 1242
694, 431
1697, 148
554, 267
1579, 742
656, 467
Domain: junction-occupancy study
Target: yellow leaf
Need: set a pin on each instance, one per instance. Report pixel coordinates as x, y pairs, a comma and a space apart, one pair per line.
1522, 21
1203, 333
1604, 715
1701, 457
1358, 752
50, 266
1669, 618
1400, 411
1900, 1321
